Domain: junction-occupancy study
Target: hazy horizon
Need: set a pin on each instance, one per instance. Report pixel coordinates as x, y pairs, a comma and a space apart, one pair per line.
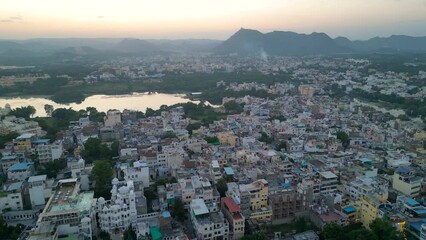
191, 19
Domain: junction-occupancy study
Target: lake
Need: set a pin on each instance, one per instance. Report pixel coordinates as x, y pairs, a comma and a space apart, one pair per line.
134, 101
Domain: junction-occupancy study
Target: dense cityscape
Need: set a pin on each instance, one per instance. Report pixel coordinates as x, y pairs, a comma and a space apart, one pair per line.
212, 120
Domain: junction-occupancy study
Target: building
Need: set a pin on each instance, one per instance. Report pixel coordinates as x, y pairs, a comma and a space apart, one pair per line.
233, 214
215, 172
328, 181
286, 203
117, 214
208, 225
24, 142
67, 213
406, 182
46, 151
20, 171
306, 90
7, 161
259, 206
39, 190
11, 197
139, 172
112, 118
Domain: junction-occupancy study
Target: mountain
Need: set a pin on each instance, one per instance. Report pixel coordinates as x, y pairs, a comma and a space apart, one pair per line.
249, 42
136, 46
395, 42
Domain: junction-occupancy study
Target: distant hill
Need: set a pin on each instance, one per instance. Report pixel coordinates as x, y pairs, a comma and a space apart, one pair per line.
247, 41
253, 42
394, 42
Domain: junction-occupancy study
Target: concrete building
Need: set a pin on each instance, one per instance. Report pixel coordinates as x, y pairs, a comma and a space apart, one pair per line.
215, 172
112, 118
233, 214
7, 161
46, 151
24, 142
406, 182
39, 190
117, 214
306, 90
328, 182
11, 197
139, 172
208, 225
20, 171
67, 213
259, 206
286, 203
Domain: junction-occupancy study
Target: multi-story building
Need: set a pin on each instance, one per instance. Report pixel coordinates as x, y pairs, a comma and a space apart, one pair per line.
215, 172
362, 186
68, 212
208, 225
112, 118
139, 172
240, 197
39, 190
260, 209
20, 171
369, 207
117, 214
406, 182
233, 214
7, 161
46, 151
328, 182
198, 188
286, 203
24, 142
11, 197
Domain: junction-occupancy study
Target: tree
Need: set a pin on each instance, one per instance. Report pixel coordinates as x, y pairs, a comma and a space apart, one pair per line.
129, 234
344, 138
178, 210
91, 149
211, 139
222, 187
23, 112
102, 174
383, 230
255, 236
300, 224
48, 109
265, 138
10, 232
233, 107
281, 145
7, 138
332, 231
192, 126
104, 235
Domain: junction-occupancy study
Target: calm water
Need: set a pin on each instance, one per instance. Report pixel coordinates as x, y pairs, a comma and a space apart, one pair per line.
135, 101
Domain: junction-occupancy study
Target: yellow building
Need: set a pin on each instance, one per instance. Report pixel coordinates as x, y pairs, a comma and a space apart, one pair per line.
227, 138
406, 182
24, 142
368, 209
260, 209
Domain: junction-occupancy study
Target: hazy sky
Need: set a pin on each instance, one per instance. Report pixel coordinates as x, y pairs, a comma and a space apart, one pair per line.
218, 19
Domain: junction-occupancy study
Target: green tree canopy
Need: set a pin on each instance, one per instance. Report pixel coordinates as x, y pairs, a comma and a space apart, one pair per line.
222, 187
23, 112
344, 138
102, 174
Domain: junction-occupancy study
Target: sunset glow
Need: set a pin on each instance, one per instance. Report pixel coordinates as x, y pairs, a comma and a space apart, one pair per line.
357, 19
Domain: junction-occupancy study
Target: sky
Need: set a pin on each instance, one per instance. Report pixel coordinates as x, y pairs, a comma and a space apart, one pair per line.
218, 19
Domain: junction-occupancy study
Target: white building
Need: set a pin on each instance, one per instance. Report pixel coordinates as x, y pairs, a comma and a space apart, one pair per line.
208, 225
215, 172
112, 118
11, 197
39, 190
47, 152
68, 212
117, 214
139, 172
